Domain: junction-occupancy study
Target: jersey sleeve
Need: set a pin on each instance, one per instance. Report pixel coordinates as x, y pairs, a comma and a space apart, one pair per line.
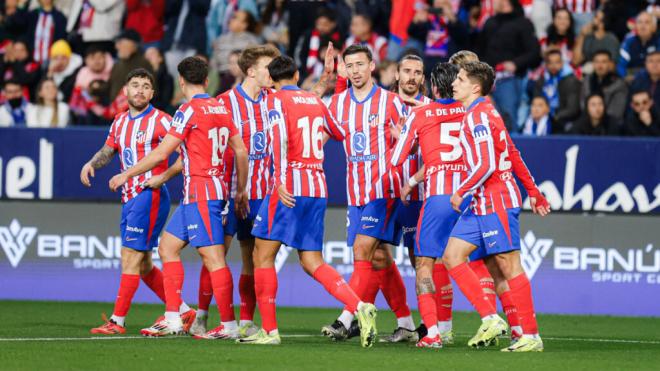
479, 141
163, 125
111, 140
406, 140
330, 124
279, 141
181, 122
398, 110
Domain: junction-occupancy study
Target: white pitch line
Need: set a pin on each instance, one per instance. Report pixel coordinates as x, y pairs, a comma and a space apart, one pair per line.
594, 340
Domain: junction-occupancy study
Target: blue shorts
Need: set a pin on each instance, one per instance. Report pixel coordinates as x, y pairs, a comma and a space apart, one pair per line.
241, 227
143, 218
379, 219
229, 219
300, 227
408, 218
436, 222
198, 223
492, 234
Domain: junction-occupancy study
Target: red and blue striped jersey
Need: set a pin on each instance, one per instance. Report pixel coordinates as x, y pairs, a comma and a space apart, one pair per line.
414, 161
133, 138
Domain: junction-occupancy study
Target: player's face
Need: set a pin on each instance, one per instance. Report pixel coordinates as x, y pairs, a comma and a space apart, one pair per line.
359, 69
463, 87
139, 92
260, 72
410, 76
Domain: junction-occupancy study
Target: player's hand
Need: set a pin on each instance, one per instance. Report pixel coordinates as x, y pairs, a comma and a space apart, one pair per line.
154, 182
405, 192
285, 197
539, 203
413, 102
85, 173
117, 181
395, 130
329, 61
456, 200
341, 67
241, 204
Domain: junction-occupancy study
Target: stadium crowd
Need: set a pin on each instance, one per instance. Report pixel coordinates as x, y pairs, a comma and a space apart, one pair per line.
583, 67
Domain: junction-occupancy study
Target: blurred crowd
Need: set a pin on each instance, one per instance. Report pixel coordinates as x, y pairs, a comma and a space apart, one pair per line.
583, 67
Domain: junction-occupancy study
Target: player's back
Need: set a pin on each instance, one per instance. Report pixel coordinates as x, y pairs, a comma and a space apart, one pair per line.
298, 150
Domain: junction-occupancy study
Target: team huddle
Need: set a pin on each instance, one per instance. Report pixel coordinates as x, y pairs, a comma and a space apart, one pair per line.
436, 174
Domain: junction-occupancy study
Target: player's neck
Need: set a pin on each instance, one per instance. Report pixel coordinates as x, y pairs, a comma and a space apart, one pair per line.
361, 93
191, 90
281, 83
251, 88
134, 112
469, 100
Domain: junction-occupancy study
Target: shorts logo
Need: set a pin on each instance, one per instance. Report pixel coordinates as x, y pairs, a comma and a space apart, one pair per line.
127, 154
191, 226
134, 229
128, 239
15, 240
259, 141
490, 233
409, 230
369, 219
367, 226
359, 141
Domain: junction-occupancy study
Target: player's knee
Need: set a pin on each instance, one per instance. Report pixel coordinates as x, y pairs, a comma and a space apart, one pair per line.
509, 265
363, 248
380, 259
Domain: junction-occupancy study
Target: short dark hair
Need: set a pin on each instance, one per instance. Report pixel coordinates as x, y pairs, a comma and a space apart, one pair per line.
481, 73
410, 57
357, 48
640, 91
93, 49
325, 12
550, 52
656, 51
141, 73
442, 76
250, 20
250, 55
602, 52
12, 81
282, 68
193, 70
541, 97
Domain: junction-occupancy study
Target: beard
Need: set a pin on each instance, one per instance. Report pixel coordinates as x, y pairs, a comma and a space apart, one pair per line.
138, 105
411, 87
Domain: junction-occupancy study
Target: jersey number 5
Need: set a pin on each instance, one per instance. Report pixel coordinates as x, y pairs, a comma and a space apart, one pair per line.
312, 137
447, 138
219, 138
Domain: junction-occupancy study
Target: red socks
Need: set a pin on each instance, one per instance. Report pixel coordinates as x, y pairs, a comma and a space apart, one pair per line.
360, 279
335, 284
468, 282
205, 293
485, 279
509, 309
154, 280
394, 291
265, 284
427, 309
248, 296
223, 288
173, 282
127, 286
444, 294
521, 292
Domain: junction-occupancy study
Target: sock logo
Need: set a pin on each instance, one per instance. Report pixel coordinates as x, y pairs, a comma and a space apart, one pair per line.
15, 240
532, 252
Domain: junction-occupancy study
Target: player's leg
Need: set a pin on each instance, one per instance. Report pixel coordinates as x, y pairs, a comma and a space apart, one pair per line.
504, 293
246, 288
427, 303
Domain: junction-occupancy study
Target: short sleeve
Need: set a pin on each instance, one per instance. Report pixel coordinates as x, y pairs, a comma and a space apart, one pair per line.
181, 122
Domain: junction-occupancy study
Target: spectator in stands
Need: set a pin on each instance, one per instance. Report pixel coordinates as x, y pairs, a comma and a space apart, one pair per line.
508, 43
12, 21
220, 14
308, 48
275, 19
643, 119
594, 120
239, 35
18, 65
49, 110
582, 11
16, 111
361, 32
63, 68
163, 95
185, 34
45, 25
540, 122
635, 47
98, 65
440, 31
560, 88
94, 106
560, 34
387, 73
607, 83
649, 78
594, 37
378, 11
96, 21
128, 59
147, 18
234, 75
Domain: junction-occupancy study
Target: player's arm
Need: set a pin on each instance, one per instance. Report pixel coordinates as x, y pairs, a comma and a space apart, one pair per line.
328, 70
406, 142
331, 128
241, 165
413, 181
536, 199
169, 144
99, 160
484, 149
157, 181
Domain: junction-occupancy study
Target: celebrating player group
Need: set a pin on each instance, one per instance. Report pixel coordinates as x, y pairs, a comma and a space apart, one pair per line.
436, 175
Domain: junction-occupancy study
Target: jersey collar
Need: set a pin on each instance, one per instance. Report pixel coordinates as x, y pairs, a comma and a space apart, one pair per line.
202, 96
245, 95
290, 87
141, 115
445, 100
371, 94
476, 101
419, 97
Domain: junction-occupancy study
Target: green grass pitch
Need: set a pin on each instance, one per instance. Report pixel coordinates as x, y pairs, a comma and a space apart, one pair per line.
55, 335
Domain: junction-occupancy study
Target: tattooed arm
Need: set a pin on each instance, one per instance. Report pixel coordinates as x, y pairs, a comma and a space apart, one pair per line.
100, 159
